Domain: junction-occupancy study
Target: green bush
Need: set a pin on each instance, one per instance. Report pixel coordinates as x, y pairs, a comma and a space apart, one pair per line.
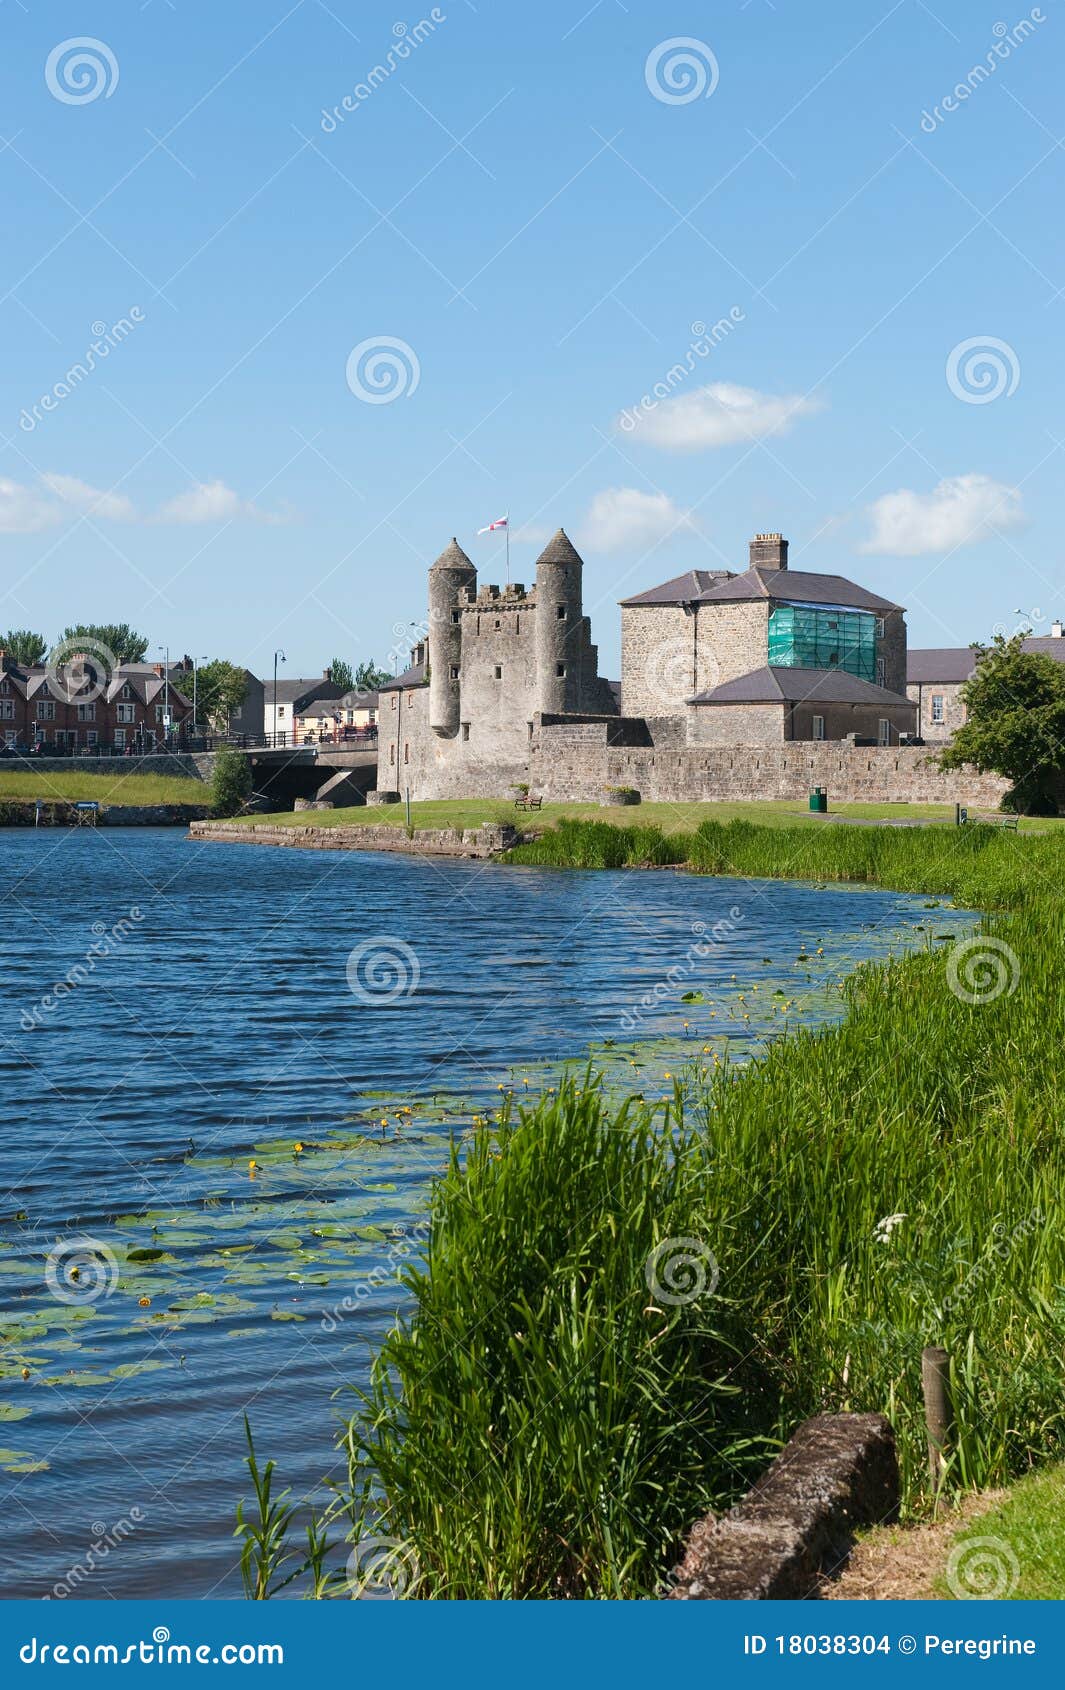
230, 782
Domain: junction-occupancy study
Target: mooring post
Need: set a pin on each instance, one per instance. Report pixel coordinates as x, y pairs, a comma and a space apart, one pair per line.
935, 1384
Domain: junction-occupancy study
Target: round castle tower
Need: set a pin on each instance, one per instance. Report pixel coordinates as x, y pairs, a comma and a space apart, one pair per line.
450, 573
559, 614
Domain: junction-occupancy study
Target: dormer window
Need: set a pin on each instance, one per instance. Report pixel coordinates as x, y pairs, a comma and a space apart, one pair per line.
127, 691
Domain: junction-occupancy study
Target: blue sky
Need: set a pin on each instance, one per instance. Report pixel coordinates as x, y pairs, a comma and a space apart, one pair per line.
517, 203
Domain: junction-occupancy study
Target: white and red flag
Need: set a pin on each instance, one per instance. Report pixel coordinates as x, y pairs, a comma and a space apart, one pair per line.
501, 522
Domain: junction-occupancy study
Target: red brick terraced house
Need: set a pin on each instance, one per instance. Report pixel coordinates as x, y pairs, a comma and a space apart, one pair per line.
75, 710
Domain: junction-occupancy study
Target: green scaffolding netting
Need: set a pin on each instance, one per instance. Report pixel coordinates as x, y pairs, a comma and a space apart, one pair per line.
802, 638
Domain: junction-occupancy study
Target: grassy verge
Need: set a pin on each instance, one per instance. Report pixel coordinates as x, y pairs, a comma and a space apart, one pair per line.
621, 1311
74, 787
667, 818
1014, 1551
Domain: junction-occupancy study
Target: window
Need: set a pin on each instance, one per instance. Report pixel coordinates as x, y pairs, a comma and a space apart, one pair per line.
393, 701
453, 672
120, 736
465, 730
560, 668
938, 714
236, 713
498, 623
127, 691
7, 709
880, 627
833, 659
5, 687
158, 712
392, 754
90, 736
10, 736
406, 753
884, 731
86, 712
126, 712
819, 727
456, 618
280, 711
881, 671
499, 672
45, 710
560, 612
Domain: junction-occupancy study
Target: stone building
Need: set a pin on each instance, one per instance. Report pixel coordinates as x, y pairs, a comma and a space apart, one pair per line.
935, 677
693, 636
497, 662
506, 688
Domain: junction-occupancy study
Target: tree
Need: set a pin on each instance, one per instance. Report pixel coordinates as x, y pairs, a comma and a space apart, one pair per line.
220, 689
1015, 724
368, 677
119, 638
341, 676
230, 782
24, 646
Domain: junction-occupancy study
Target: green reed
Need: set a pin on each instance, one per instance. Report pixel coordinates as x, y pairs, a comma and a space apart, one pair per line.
551, 1418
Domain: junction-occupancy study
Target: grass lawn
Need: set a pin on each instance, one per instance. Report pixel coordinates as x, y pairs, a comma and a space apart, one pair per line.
73, 787
1016, 1550
671, 818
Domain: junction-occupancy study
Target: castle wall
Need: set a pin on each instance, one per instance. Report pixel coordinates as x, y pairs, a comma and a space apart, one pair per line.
565, 767
731, 724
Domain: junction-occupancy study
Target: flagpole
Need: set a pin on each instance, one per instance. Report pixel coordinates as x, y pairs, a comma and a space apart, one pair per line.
508, 548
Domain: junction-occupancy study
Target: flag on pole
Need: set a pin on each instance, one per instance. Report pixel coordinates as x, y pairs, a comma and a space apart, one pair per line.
501, 522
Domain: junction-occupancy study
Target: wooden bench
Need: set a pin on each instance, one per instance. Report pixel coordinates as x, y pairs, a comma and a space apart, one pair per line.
984, 818
528, 803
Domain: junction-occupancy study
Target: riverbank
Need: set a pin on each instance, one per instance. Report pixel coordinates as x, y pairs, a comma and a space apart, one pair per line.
66, 782
482, 842
626, 1310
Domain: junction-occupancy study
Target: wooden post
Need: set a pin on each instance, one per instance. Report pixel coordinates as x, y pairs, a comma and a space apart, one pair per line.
935, 1384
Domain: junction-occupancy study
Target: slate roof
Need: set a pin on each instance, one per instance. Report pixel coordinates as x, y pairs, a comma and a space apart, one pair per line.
412, 677
948, 665
777, 685
302, 691
681, 590
795, 586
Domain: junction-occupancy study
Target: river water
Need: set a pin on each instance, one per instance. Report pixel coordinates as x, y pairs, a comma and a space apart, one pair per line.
220, 1132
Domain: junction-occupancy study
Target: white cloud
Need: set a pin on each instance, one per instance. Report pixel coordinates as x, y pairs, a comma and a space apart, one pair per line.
721, 414
212, 501
27, 508
114, 507
623, 516
24, 511
959, 510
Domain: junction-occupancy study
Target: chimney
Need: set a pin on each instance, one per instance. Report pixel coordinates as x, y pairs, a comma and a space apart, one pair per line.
157, 669
327, 674
1055, 633
769, 552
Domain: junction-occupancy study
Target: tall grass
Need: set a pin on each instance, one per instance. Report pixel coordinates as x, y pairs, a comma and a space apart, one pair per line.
548, 1422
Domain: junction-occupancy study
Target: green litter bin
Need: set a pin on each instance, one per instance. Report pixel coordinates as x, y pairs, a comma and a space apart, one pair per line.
819, 800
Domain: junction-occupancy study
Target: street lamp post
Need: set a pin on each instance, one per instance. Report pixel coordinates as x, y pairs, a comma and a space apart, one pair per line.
165, 649
277, 654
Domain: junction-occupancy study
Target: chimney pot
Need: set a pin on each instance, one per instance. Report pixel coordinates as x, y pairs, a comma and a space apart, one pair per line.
769, 552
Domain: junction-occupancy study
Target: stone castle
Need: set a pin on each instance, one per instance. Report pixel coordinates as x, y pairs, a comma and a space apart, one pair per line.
753, 683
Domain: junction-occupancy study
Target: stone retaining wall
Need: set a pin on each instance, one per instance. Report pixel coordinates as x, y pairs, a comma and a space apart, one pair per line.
839, 1472
480, 842
565, 768
22, 812
180, 765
